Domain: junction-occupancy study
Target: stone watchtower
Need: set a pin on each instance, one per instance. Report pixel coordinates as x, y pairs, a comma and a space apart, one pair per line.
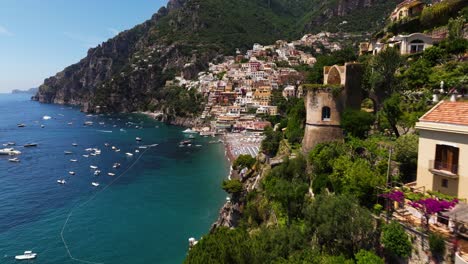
325, 103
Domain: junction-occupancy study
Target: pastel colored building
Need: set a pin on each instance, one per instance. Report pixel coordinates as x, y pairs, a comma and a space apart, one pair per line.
443, 149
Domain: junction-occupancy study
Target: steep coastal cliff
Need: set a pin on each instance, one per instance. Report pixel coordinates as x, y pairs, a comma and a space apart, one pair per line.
128, 72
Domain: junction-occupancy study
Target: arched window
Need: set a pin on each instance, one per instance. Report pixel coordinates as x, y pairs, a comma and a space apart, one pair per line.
326, 113
416, 45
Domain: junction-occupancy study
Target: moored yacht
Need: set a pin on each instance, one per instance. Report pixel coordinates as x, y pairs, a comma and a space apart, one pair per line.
9, 151
95, 184
62, 181
14, 160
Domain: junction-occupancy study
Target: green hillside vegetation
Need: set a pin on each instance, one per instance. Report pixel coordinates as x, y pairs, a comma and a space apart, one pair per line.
317, 208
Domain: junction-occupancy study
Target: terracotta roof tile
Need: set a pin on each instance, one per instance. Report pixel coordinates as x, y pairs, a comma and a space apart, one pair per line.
455, 113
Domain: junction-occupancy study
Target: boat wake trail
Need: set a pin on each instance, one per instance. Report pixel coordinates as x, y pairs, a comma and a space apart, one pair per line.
79, 205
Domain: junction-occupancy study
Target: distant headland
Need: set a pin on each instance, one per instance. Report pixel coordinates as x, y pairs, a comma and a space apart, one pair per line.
28, 91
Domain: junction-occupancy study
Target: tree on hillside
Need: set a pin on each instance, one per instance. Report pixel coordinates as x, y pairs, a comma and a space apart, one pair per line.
379, 77
392, 112
357, 122
339, 224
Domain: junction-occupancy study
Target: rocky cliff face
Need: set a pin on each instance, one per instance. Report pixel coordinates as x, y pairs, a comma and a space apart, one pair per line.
127, 73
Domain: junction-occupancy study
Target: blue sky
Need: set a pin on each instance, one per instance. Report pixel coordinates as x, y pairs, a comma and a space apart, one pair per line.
39, 38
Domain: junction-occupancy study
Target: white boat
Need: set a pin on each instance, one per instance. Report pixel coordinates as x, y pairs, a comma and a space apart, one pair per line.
9, 151
106, 144
88, 123
137, 151
116, 165
97, 172
61, 181
74, 144
129, 154
71, 172
101, 123
86, 156
95, 184
73, 160
111, 174
192, 136
14, 160
142, 147
114, 148
21, 125
189, 131
46, 117
10, 143
68, 152
93, 154
138, 138
93, 167
117, 150
42, 126
30, 145
27, 255
97, 151
70, 123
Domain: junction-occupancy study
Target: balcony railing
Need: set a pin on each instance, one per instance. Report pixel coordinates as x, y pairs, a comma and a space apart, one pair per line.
443, 167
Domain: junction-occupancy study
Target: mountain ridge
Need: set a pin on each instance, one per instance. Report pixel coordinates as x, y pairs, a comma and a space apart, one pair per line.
127, 72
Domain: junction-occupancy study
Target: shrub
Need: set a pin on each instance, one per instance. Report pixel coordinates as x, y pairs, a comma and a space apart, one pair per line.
244, 161
232, 186
437, 245
395, 240
378, 209
368, 257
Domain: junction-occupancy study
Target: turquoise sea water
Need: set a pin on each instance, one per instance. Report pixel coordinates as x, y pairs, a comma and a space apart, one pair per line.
146, 216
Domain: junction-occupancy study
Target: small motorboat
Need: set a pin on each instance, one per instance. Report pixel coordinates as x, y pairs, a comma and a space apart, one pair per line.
185, 142
46, 117
192, 136
74, 144
14, 160
189, 131
138, 139
111, 174
97, 172
27, 255
142, 147
95, 184
137, 151
129, 154
21, 125
70, 123
101, 123
93, 167
88, 123
114, 147
93, 154
30, 145
42, 126
117, 150
62, 181
10, 143
86, 156
67, 152
106, 144
73, 160
116, 165
71, 172
97, 151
